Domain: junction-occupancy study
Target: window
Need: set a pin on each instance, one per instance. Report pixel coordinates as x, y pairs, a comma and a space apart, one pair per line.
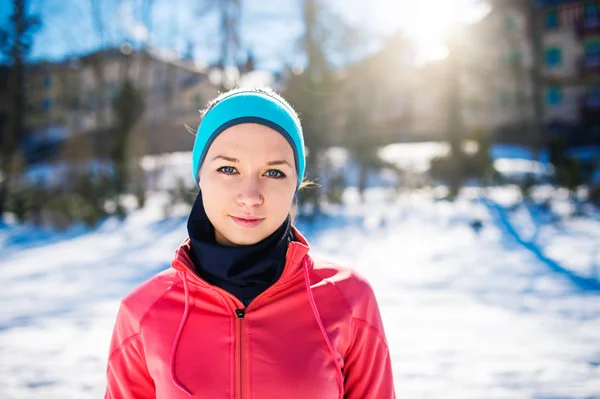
551, 21
553, 57
554, 96
591, 10
47, 82
593, 97
47, 104
113, 91
592, 53
512, 57
73, 103
89, 100
509, 23
591, 15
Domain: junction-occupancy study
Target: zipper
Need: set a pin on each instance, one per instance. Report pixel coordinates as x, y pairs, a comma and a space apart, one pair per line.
231, 298
240, 361
240, 313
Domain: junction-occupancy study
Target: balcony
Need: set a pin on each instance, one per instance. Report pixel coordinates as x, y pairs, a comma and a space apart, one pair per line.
588, 25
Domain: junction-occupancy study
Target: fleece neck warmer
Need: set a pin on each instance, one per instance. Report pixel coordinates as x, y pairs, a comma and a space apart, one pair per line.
244, 271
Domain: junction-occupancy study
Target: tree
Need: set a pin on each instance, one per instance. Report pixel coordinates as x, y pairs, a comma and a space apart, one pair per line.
567, 169
15, 44
128, 107
480, 164
312, 92
230, 42
455, 124
362, 138
97, 61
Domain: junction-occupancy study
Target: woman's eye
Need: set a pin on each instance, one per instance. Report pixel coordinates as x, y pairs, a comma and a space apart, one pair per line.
228, 170
277, 174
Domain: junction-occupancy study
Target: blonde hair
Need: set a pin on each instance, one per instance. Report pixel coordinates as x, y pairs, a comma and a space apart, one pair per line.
264, 90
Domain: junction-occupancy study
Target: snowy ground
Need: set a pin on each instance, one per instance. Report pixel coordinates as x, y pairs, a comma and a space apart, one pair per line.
467, 315
567, 242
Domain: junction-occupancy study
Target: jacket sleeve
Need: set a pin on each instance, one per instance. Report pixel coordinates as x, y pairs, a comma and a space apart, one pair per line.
127, 374
367, 364
368, 369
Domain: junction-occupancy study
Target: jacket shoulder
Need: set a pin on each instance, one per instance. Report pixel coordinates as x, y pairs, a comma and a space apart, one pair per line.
142, 298
352, 287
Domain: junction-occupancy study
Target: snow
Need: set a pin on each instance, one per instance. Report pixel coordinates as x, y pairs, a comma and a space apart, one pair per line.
510, 160
520, 167
338, 157
569, 241
414, 157
467, 315
166, 170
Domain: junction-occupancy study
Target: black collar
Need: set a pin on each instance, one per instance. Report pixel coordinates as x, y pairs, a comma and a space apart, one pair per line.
243, 271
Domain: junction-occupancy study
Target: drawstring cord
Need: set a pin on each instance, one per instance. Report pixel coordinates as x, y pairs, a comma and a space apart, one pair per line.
339, 376
186, 311
178, 384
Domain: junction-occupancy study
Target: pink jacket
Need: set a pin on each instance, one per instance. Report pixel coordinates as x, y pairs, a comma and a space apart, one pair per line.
316, 333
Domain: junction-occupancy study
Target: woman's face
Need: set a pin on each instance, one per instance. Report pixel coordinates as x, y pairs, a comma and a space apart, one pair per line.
248, 181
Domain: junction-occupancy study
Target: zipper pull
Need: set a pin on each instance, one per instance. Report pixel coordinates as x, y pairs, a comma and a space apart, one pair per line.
240, 313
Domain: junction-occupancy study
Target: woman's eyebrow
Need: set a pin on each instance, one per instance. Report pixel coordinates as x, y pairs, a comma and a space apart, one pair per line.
275, 163
228, 159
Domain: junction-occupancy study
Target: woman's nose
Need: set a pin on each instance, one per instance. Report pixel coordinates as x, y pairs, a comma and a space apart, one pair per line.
250, 193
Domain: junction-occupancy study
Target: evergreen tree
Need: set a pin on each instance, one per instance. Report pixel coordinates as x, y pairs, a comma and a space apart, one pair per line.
16, 40
128, 107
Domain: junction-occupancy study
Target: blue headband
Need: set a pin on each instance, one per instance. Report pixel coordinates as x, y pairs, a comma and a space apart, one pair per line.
249, 107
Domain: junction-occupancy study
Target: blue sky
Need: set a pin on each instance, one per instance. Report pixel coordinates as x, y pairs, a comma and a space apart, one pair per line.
270, 29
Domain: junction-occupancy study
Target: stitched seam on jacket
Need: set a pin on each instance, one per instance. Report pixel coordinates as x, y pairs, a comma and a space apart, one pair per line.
170, 287
338, 292
348, 308
121, 347
369, 327
353, 341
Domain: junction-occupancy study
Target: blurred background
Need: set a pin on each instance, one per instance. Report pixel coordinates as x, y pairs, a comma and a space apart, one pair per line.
455, 145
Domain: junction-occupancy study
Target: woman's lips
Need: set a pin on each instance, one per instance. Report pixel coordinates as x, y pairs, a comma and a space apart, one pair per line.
246, 222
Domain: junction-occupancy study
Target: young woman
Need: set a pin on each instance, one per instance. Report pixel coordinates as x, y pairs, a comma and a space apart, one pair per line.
246, 311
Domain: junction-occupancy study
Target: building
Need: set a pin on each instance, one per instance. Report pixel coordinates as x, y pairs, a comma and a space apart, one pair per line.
51, 93
71, 102
493, 90
495, 71
497, 68
570, 42
381, 84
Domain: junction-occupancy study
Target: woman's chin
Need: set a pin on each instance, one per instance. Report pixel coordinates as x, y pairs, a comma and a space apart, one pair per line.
240, 239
